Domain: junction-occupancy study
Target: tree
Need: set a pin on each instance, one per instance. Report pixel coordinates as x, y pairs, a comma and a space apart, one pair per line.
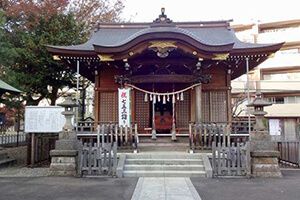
34, 69
92, 12
7, 53
32, 24
237, 105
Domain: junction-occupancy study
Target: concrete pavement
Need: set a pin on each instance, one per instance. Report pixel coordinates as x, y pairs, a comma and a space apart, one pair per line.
57, 188
286, 188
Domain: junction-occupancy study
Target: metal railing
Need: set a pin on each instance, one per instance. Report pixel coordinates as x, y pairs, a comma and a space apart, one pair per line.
289, 152
12, 139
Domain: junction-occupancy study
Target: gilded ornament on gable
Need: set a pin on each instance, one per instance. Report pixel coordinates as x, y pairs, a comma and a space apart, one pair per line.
106, 57
222, 56
162, 48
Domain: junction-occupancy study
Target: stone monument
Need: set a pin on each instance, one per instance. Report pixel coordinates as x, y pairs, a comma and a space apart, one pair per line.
264, 155
64, 156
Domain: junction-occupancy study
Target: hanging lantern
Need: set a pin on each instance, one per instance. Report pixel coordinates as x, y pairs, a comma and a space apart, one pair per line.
168, 97
154, 98
146, 97
164, 99
158, 98
150, 97
178, 96
181, 96
173, 98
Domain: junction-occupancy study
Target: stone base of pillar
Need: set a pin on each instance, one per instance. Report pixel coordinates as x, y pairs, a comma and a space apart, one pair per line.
264, 156
153, 133
64, 158
173, 133
265, 164
63, 163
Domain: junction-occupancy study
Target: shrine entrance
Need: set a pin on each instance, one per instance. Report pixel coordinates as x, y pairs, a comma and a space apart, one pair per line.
179, 72
162, 116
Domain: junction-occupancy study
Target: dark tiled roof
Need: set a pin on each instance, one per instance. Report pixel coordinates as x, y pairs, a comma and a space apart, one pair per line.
114, 37
211, 34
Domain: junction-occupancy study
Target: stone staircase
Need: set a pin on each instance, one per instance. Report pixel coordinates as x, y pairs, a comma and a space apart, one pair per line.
5, 161
163, 164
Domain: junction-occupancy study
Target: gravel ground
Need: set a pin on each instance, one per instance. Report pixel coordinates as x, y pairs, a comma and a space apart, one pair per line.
23, 172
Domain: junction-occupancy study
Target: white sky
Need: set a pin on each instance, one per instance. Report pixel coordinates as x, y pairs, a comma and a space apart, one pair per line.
240, 11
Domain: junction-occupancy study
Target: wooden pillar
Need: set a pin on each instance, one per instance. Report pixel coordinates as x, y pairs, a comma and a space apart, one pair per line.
96, 97
153, 119
132, 95
198, 102
33, 150
173, 131
229, 103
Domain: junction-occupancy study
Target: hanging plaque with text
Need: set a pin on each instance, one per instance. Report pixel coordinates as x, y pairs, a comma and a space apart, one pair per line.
124, 107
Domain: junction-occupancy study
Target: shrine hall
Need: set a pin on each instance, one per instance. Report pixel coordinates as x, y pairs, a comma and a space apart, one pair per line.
176, 72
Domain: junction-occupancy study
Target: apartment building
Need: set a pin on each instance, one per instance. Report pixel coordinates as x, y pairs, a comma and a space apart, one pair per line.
278, 78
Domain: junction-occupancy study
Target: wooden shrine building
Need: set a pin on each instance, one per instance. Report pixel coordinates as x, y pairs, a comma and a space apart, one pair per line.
178, 71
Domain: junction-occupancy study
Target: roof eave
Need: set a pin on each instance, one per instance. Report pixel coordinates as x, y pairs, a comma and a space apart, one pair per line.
70, 52
272, 48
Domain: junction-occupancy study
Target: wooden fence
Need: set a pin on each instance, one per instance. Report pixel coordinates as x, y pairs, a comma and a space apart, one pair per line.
39, 147
231, 160
125, 137
12, 139
289, 152
99, 158
201, 135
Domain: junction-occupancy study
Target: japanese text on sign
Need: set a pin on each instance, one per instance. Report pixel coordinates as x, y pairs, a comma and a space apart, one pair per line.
124, 107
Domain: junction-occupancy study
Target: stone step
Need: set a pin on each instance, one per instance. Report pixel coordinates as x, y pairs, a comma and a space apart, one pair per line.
163, 148
160, 155
164, 167
158, 147
163, 161
159, 173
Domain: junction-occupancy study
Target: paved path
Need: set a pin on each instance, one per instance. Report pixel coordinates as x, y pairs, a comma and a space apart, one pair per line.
165, 189
286, 188
66, 188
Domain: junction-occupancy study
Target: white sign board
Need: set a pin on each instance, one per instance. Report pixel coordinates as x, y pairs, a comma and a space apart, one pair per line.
124, 107
46, 119
274, 127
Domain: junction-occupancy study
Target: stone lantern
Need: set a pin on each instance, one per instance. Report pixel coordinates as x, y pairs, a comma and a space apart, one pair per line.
259, 112
68, 129
64, 156
264, 155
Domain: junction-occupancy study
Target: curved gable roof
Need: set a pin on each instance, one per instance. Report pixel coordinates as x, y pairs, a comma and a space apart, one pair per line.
213, 36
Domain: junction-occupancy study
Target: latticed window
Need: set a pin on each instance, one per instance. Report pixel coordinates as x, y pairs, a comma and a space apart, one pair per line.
108, 107
183, 111
141, 110
214, 106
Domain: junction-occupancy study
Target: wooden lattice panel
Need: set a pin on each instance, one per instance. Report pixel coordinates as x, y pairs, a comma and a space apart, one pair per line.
218, 106
108, 107
141, 110
182, 109
205, 107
